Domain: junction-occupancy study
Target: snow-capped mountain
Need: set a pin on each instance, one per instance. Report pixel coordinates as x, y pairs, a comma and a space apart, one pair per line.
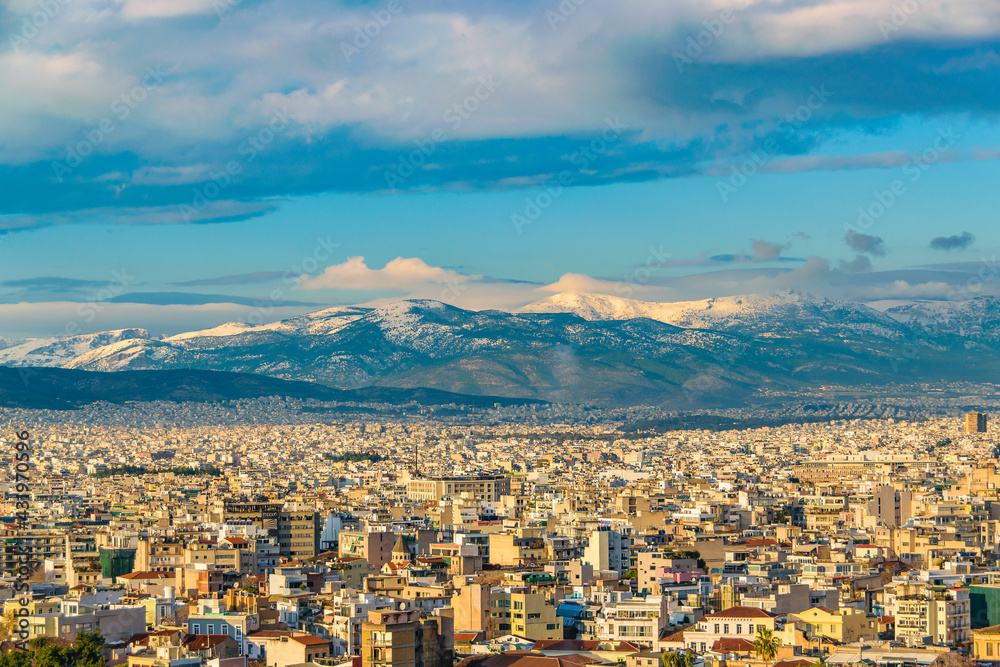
974, 319
575, 347
63, 350
762, 314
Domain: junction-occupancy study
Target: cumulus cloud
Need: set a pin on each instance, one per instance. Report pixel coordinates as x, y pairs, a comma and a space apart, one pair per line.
351, 121
402, 273
871, 245
578, 282
955, 242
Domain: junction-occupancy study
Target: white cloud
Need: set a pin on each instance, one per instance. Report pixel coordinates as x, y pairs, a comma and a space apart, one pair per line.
150, 9
403, 273
578, 282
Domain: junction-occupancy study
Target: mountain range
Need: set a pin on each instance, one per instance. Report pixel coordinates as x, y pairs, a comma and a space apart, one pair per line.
575, 348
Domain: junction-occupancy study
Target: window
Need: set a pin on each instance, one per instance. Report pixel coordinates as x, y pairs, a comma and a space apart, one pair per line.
989, 648
211, 629
716, 628
739, 628
725, 628
196, 629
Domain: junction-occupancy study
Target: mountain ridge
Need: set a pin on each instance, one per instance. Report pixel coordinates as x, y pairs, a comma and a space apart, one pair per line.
576, 347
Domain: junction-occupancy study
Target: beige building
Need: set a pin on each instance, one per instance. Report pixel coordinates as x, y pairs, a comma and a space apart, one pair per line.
986, 644
843, 625
471, 603
486, 488
402, 639
515, 611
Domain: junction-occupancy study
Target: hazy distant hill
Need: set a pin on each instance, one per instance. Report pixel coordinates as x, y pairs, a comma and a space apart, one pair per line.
57, 388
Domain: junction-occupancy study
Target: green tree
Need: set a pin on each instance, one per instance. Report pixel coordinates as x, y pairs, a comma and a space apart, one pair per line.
765, 645
16, 659
678, 659
86, 650
51, 655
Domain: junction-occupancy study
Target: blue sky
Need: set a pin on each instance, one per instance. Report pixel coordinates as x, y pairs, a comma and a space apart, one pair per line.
182, 163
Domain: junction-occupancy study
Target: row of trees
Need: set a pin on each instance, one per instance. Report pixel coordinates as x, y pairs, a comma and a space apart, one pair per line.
355, 457
85, 651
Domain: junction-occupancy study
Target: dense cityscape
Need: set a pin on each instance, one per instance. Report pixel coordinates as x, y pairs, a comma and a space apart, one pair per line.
388, 542
534, 333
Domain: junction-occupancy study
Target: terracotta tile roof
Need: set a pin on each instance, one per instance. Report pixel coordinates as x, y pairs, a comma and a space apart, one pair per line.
793, 663
202, 642
732, 645
270, 634
525, 659
741, 612
676, 638
147, 575
310, 640
582, 645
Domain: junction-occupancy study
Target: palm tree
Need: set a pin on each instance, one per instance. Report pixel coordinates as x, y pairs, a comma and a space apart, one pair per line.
678, 659
765, 645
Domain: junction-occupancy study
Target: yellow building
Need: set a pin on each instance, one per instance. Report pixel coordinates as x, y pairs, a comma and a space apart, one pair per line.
986, 644
525, 546
514, 611
842, 625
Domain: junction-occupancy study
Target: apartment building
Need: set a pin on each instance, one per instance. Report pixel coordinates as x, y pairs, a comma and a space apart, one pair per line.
932, 616
518, 612
484, 488
608, 549
404, 639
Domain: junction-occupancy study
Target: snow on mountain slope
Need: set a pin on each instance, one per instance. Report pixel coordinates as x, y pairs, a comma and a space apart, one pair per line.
761, 314
59, 351
316, 324
971, 318
320, 322
227, 329
126, 355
